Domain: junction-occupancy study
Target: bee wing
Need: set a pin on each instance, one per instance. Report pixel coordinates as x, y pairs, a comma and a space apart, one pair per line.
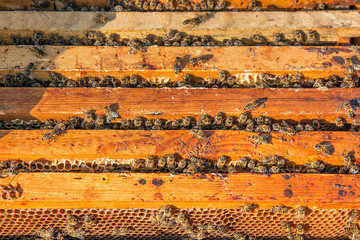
114, 114
285, 124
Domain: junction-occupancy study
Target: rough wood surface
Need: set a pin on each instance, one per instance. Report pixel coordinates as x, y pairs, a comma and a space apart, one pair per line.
57, 103
331, 25
157, 63
42, 190
89, 145
241, 4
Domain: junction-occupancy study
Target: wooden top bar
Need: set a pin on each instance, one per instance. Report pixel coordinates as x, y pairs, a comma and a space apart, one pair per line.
79, 190
124, 145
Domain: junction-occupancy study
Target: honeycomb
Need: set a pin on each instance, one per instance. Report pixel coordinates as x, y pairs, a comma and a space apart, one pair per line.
319, 224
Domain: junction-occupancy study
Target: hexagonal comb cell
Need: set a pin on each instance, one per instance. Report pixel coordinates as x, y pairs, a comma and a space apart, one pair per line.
319, 224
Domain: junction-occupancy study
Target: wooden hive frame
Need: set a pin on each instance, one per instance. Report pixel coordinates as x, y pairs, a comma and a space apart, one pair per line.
338, 29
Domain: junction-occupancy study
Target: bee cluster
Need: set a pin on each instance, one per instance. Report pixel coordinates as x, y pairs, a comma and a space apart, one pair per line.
136, 5
176, 164
353, 231
224, 80
295, 232
74, 228
10, 192
173, 38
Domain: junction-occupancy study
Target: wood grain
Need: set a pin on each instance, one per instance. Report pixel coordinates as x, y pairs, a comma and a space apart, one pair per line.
79, 190
157, 63
240, 4
57, 103
89, 145
331, 25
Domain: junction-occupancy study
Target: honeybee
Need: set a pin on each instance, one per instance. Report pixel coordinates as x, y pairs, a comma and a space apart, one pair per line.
182, 165
171, 161
259, 169
47, 234
218, 120
50, 135
279, 209
260, 139
101, 18
222, 230
354, 217
313, 37
71, 220
85, 168
200, 235
300, 229
109, 114
350, 112
309, 128
286, 226
197, 60
121, 231
274, 169
137, 164
275, 126
251, 164
191, 169
299, 36
316, 124
161, 163
88, 122
197, 20
287, 130
249, 207
88, 220
317, 165
254, 6
263, 128
322, 148
158, 124
221, 162
242, 162
181, 217
255, 104
150, 163
348, 161
197, 133
339, 122
99, 122
301, 212
238, 236
177, 65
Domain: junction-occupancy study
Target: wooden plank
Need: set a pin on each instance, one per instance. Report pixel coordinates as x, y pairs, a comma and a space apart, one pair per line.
157, 63
123, 145
238, 4
57, 103
331, 25
79, 190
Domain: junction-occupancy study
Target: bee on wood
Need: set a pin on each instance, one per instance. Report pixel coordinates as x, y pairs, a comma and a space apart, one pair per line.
260, 139
286, 226
243, 118
88, 220
109, 114
313, 37
258, 39
177, 65
218, 121
301, 212
255, 104
153, 4
38, 51
309, 128
48, 234
191, 170
50, 135
197, 60
249, 207
339, 122
197, 20
242, 162
161, 163
300, 229
259, 169
350, 112
263, 128
274, 169
171, 161
323, 149
182, 165
158, 122
221, 162
199, 134
299, 36
137, 164
221, 5
88, 122
168, 5
254, 6
287, 130
316, 166
150, 163
348, 161
186, 122
279, 209
99, 122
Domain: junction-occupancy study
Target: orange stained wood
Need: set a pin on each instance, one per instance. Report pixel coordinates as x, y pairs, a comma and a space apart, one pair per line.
123, 145
157, 63
136, 190
61, 103
242, 4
